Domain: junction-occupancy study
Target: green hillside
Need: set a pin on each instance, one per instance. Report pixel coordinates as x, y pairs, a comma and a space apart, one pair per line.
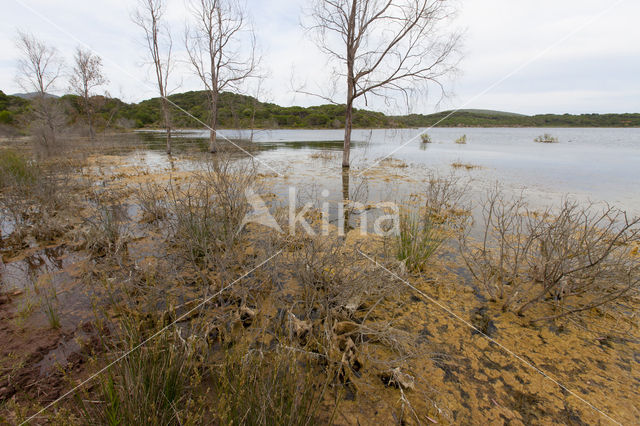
481, 118
238, 111
11, 107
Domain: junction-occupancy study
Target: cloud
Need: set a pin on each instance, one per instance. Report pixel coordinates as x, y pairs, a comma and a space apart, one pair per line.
594, 71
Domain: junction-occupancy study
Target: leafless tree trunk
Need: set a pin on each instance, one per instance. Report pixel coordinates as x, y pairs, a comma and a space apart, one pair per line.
258, 96
38, 69
87, 75
387, 47
221, 48
159, 42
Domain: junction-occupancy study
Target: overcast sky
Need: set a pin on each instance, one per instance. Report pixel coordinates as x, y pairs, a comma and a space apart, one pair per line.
579, 56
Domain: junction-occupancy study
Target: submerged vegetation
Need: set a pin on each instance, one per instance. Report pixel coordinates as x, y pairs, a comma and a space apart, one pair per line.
462, 140
546, 138
426, 138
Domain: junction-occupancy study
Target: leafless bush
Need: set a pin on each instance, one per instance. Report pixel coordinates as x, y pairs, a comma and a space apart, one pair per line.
445, 200
340, 306
108, 230
36, 197
579, 257
207, 215
151, 197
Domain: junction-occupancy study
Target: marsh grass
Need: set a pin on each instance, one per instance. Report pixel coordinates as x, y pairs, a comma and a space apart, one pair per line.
276, 387
418, 240
16, 170
426, 138
151, 385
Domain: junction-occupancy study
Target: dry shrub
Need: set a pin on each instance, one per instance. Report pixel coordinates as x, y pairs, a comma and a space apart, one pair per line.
340, 305
36, 198
151, 197
108, 230
577, 257
206, 215
445, 199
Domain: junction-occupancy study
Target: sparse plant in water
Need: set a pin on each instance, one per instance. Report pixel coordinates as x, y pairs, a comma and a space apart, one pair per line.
426, 138
459, 165
462, 140
49, 304
546, 138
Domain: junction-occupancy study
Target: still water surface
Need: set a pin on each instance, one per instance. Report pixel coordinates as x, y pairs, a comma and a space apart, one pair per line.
601, 165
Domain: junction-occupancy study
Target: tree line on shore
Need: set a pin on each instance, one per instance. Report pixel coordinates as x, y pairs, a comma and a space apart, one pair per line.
243, 112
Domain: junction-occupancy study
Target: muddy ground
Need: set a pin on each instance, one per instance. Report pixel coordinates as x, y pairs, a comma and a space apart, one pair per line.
528, 374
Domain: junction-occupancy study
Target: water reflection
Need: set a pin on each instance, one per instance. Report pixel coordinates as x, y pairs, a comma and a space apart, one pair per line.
595, 164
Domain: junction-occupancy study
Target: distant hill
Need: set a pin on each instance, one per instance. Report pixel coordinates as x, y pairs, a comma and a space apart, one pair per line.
239, 111
489, 112
33, 95
487, 118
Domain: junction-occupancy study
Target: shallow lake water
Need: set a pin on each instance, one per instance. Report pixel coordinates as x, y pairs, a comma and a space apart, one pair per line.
594, 164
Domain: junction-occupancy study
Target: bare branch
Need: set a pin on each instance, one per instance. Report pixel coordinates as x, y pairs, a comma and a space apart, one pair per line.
221, 47
388, 47
86, 76
148, 17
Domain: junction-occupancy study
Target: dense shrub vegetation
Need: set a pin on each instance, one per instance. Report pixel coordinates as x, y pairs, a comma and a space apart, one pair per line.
238, 111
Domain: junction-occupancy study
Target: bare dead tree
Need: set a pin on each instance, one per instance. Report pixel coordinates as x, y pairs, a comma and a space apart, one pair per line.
221, 48
160, 44
387, 47
39, 67
87, 75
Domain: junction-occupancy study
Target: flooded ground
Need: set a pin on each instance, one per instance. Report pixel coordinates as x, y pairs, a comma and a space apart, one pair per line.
582, 370
599, 165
